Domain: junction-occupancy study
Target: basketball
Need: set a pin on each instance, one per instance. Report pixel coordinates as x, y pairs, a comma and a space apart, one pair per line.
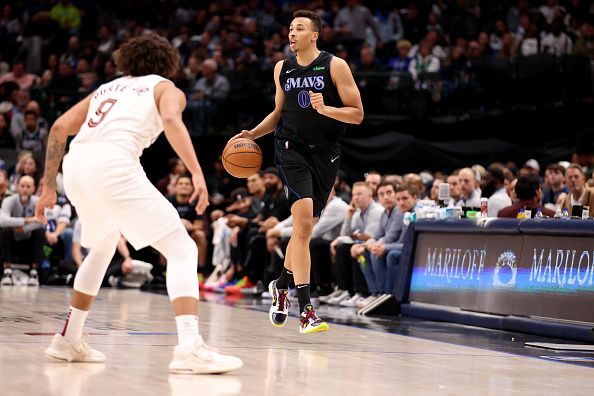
242, 158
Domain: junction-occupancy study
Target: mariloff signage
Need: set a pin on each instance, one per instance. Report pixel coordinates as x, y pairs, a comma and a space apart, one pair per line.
525, 275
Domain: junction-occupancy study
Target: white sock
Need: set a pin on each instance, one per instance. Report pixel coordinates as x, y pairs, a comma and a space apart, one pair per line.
187, 329
74, 324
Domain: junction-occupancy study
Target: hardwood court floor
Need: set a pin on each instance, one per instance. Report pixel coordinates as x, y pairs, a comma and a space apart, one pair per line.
136, 331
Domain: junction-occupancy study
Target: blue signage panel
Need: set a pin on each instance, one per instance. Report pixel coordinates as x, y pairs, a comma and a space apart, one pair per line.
506, 274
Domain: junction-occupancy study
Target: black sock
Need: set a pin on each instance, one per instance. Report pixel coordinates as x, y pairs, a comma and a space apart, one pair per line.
303, 296
284, 280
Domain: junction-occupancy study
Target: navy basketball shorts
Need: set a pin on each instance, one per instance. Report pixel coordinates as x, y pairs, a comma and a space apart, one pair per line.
307, 171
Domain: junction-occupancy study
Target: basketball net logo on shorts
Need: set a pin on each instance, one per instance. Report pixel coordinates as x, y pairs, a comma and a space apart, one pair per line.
286, 191
316, 82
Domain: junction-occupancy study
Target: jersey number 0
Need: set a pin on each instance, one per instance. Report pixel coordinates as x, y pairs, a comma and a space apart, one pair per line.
102, 111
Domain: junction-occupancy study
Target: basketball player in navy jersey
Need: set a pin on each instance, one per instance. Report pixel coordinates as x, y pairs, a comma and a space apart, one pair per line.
316, 96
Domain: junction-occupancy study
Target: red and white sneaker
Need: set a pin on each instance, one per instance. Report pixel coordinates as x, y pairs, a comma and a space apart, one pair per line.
279, 311
310, 323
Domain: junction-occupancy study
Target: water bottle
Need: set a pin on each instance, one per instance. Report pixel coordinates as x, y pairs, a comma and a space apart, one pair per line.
362, 261
539, 214
558, 214
565, 214
521, 214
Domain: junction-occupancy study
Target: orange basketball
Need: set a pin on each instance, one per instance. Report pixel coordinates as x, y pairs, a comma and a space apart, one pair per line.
242, 158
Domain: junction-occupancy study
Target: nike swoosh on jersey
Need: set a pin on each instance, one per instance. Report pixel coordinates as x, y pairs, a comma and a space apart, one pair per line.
289, 71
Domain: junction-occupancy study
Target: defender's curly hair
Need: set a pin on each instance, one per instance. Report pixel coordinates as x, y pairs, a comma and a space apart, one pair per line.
147, 54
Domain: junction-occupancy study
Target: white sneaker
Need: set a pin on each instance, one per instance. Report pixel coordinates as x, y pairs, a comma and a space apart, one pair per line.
141, 273
81, 351
33, 280
366, 302
6, 278
324, 299
202, 359
352, 302
344, 295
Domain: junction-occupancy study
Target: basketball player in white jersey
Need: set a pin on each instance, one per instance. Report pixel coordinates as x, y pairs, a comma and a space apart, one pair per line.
107, 185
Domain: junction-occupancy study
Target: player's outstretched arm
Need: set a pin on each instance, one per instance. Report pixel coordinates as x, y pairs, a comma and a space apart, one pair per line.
171, 102
269, 123
66, 125
352, 110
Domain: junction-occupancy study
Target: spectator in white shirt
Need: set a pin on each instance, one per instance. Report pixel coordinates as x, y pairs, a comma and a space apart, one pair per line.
556, 42
494, 189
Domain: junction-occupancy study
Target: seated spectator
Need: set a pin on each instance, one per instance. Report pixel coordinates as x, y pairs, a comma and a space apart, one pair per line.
555, 189
22, 235
251, 254
508, 49
209, 92
432, 40
387, 258
375, 249
529, 194
360, 224
165, 185
32, 137
20, 76
26, 165
557, 42
194, 224
373, 179
424, 61
455, 192
415, 180
579, 192
470, 193
550, 10
58, 228
584, 46
400, 62
224, 233
17, 123
494, 189
530, 43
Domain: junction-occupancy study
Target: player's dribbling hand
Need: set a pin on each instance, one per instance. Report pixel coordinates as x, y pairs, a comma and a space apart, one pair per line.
200, 192
46, 200
244, 134
317, 101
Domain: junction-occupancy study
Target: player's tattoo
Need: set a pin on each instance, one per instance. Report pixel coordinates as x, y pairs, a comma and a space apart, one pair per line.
53, 157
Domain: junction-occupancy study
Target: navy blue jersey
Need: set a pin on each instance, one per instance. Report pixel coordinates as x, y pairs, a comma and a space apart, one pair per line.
300, 122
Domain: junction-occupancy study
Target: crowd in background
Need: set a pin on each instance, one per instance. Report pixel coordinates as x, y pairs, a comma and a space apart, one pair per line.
56, 52
52, 53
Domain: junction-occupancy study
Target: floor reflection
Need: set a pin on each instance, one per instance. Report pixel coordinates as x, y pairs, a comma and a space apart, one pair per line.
211, 385
68, 379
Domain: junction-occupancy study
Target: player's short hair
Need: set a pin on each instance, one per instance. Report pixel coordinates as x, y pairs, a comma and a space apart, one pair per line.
147, 54
316, 20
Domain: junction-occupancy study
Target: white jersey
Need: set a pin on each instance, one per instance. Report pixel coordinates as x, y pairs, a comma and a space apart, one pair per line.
123, 112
